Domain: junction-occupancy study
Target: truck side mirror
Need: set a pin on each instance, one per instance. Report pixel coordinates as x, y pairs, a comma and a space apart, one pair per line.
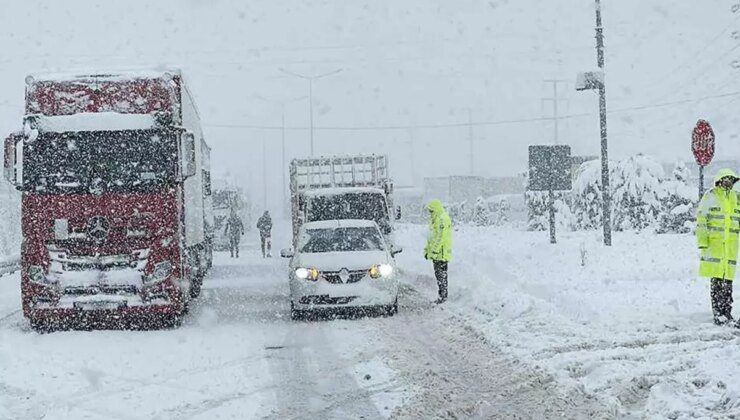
11, 167
188, 155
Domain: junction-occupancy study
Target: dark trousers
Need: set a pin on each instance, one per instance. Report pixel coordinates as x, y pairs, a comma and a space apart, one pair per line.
234, 246
721, 299
440, 272
266, 245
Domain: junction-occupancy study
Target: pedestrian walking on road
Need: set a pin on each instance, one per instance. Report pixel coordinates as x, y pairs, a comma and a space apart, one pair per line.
439, 244
234, 229
717, 228
264, 224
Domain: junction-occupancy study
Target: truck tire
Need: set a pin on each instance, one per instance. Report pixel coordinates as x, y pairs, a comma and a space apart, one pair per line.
197, 281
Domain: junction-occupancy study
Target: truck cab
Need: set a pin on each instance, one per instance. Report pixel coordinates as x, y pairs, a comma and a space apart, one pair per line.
114, 175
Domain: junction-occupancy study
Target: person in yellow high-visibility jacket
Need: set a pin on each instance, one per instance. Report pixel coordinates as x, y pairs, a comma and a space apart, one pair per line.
717, 229
439, 244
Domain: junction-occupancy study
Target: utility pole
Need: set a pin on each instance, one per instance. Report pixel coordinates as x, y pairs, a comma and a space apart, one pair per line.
606, 194
264, 173
555, 99
470, 140
282, 159
310, 96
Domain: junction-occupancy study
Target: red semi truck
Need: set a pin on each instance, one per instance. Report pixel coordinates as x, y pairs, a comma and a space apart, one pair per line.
116, 208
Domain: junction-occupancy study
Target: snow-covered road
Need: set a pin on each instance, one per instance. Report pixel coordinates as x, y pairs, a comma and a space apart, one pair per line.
238, 355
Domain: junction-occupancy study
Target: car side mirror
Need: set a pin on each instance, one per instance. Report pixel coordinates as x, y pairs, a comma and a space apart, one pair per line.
286, 253
395, 251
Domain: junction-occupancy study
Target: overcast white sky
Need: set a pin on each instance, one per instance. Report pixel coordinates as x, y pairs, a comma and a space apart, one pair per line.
406, 65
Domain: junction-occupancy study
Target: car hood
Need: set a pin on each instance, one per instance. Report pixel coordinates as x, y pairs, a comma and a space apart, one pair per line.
335, 261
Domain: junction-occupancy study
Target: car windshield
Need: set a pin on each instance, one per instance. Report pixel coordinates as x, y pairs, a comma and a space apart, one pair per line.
100, 161
364, 206
341, 240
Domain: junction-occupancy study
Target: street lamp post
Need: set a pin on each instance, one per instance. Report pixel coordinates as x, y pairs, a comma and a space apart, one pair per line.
595, 81
310, 96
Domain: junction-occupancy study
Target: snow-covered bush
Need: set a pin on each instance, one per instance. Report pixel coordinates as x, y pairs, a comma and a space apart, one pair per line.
637, 193
679, 202
500, 208
588, 196
538, 207
481, 212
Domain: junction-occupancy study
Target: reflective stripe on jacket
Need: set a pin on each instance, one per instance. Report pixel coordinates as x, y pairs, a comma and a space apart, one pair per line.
717, 228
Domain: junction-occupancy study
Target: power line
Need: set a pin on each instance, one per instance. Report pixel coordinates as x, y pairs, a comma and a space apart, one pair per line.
471, 123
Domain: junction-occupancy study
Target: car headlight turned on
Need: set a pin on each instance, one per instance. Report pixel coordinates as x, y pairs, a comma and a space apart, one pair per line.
161, 271
307, 273
37, 275
381, 270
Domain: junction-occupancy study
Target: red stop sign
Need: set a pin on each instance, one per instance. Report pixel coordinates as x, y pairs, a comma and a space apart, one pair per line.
702, 143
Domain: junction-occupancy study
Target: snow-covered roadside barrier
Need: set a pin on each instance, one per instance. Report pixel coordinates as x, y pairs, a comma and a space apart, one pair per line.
630, 324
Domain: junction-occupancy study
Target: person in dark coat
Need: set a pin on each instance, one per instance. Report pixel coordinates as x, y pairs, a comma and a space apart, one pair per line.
264, 225
234, 229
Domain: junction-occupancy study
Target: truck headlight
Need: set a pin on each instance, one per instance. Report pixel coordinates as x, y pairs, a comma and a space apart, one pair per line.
161, 271
381, 270
37, 275
307, 273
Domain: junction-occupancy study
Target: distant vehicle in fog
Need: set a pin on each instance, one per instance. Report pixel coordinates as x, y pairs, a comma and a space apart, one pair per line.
341, 188
342, 264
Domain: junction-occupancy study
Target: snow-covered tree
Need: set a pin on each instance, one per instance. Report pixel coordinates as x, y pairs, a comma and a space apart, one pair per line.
588, 196
679, 202
637, 193
481, 212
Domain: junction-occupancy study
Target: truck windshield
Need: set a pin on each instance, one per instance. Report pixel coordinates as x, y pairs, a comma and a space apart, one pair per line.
341, 240
363, 206
100, 161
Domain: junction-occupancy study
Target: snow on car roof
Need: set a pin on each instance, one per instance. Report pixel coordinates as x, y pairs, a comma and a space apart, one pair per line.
112, 75
343, 190
95, 121
333, 224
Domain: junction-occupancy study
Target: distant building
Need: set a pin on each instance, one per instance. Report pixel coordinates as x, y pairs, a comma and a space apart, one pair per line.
456, 189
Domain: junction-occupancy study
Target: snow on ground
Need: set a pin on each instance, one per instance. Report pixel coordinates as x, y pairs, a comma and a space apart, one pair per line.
630, 324
529, 331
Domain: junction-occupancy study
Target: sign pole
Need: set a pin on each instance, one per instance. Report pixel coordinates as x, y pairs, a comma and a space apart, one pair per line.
552, 215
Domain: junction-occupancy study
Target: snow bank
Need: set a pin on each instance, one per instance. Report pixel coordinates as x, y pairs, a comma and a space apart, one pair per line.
630, 324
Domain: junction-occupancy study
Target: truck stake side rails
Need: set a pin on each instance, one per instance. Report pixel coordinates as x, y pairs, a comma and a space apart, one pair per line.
116, 202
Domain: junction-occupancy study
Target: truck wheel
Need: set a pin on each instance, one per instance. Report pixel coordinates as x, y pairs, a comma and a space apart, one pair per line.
197, 281
40, 326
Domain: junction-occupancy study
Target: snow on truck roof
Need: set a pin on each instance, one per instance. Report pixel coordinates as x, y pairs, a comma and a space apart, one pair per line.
334, 224
112, 75
343, 190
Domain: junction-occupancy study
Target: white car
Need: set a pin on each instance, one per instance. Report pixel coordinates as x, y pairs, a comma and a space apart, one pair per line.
342, 264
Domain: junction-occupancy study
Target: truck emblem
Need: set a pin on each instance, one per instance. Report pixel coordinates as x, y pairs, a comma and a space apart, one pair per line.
97, 227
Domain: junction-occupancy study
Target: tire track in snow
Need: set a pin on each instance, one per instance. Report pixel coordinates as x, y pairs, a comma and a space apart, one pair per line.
459, 374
